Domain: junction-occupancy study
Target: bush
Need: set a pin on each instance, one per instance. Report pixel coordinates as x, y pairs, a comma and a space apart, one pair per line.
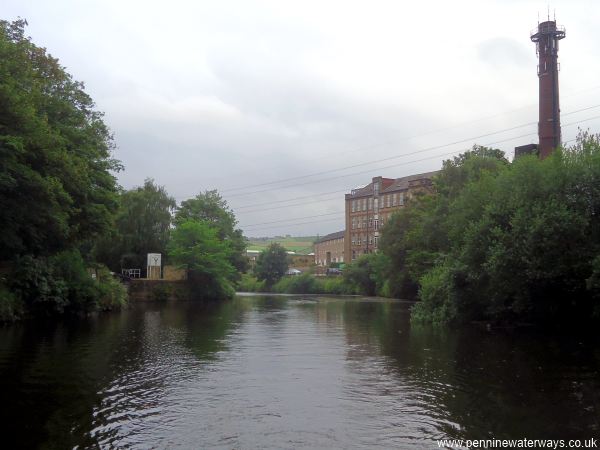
335, 285
302, 284
62, 282
248, 283
38, 286
298, 284
112, 294
435, 305
161, 293
11, 306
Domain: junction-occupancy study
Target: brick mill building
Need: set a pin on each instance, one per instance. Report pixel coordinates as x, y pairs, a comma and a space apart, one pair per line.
330, 249
370, 207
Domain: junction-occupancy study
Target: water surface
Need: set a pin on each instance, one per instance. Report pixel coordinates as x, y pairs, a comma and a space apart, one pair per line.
288, 372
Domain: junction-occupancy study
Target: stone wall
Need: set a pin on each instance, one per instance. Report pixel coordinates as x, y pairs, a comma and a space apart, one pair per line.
142, 290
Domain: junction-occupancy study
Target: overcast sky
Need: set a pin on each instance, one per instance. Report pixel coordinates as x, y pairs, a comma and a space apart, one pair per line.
226, 94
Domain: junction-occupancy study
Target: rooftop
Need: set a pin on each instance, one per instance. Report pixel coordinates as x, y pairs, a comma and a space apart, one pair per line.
331, 237
391, 184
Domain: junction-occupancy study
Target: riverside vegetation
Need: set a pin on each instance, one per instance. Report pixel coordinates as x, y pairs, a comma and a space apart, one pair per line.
496, 241
62, 213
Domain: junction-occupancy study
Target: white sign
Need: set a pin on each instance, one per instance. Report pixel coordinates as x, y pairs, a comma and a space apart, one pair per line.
154, 260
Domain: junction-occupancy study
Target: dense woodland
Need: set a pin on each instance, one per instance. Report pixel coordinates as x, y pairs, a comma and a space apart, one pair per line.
497, 241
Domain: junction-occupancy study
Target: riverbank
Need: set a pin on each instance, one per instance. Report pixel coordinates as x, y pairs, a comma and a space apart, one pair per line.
299, 284
145, 290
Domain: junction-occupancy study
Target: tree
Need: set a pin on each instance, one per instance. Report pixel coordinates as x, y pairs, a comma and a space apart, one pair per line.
523, 241
196, 247
213, 210
420, 236
142, 225
57, 186
58, 191
271, 264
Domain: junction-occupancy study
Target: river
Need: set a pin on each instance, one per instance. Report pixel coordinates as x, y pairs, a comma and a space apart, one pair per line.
288, 372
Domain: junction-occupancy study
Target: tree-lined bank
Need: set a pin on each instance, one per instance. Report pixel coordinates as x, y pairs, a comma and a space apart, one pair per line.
66, 223
496, 241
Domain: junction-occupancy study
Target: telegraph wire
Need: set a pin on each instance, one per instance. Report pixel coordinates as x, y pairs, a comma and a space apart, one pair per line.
383, 159
292, 225
337, 218
437, 147
290, 220
292, 199
439, 130
402, 164
368, 171
393, 166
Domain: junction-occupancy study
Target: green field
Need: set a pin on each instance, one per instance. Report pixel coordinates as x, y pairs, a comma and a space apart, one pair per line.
300, 244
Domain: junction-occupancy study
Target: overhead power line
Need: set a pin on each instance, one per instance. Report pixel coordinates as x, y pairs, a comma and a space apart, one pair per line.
338, 214
360, 173
291, 225
393, 166
291, 220
439, 130
436, 147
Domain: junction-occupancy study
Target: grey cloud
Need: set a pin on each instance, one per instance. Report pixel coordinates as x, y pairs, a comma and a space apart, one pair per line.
506, 53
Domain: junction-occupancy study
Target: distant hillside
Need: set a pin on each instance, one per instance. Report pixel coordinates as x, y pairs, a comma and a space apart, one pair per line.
298, 244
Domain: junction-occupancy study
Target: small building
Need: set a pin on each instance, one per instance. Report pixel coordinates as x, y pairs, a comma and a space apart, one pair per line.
330, 249
299, 261
252, 256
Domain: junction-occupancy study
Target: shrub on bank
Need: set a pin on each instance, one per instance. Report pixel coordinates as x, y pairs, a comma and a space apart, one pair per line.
301, 284
11, 306
112, 293
506, 243
57, 284
298, 284
248, 283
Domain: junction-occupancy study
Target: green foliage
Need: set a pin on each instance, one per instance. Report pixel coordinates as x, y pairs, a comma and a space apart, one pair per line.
58, 192
366, 275
142, 226
436, 304
51, 285
248, 283
196, 247
112, 295
508, 243
297, 284
56, 185
11, 306
161, 293
210, 208
333, 285
271, 264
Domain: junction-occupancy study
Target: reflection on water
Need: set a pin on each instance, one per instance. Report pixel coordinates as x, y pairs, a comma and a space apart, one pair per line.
283, 372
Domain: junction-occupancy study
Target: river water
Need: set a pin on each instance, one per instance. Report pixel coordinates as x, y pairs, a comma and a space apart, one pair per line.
288, 372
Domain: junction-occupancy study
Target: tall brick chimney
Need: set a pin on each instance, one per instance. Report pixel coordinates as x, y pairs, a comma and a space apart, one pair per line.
546, 38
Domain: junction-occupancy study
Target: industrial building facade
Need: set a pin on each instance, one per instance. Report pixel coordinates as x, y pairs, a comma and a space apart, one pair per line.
330, 249
370, 207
